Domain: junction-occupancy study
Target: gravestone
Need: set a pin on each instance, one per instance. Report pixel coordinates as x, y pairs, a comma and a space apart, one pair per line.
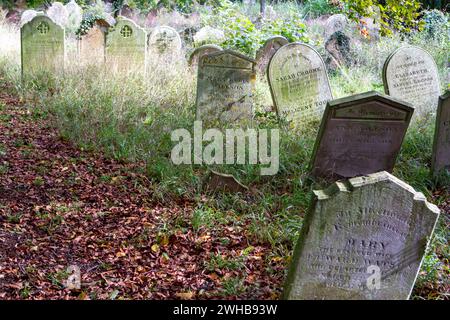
359, 135
363, 238
338, 46
201, 51
266, 52
298, 82
225, 86
126, 46
336, 22
441, 146
410, 74
164, 40
91, 45
42, 46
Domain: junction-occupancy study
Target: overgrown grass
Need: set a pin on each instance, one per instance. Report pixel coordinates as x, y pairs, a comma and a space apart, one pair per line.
131, 117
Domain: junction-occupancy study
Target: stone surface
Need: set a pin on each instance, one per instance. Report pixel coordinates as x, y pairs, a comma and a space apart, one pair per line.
200, 52
357, 231
58, 13
224, 182
225, 86
359, 135
266, 52
338, 46
298, 82
42, 46
126, 46
164, 40
337, 22
410, 74
92, 44
441, 147
27, 16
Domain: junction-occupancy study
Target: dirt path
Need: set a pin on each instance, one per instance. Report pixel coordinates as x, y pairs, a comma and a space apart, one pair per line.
60, 206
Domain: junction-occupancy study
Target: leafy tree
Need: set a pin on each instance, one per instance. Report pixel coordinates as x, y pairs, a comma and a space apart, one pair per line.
395, 15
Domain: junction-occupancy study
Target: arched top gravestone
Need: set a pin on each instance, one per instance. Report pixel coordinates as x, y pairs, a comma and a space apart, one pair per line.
126, 46
91, 45
359, 135
225, 87
42, 46
164, 40
410, 74
298, 82
266, 52
362, 239
441, 147
200, 52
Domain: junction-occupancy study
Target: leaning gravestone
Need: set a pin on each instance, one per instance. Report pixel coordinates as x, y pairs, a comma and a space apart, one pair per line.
337, 22
298, 82
42, 46
266, 52
359, 135
200, 52
225, 85
91, 45
363, 238
164, 40
441, 147
126, 46
410, 74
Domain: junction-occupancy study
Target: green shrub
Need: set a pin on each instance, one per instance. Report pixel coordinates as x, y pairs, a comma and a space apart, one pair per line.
436, 24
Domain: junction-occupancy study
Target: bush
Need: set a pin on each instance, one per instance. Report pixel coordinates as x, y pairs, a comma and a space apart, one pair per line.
435, 24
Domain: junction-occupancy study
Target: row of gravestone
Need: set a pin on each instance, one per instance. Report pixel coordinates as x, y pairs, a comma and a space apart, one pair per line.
358, 135
123, 46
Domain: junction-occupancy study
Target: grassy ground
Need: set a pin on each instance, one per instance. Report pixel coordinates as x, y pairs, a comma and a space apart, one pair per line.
129, 120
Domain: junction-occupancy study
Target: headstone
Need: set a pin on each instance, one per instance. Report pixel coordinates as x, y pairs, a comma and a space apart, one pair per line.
126, 46
75, 16
164, 40
363, 239
200, 52
225, 86
42, 46
217, 181
336, 22
58, 13
410, 74
92, 44
359, 135
208, 35
266, 52
441, 147
299, 82
338, 46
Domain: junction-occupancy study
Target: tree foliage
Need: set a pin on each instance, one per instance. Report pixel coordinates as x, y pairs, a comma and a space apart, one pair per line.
393, 15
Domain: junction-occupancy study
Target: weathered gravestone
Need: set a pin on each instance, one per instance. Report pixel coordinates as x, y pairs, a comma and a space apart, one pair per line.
266, 52
363, 238
126, 46
225, 86
91, 46
359, 135
338, 46
298, 82
441, 147
337, 22
410, 74
164, 40
201, 51
42, 46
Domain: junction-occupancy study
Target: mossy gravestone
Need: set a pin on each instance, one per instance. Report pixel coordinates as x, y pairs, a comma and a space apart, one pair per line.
359, 135
126, 46
225, 86
164, 40
363, 238
299, 83
201, 51
42, 46
266, 52
441, 148
410, 74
